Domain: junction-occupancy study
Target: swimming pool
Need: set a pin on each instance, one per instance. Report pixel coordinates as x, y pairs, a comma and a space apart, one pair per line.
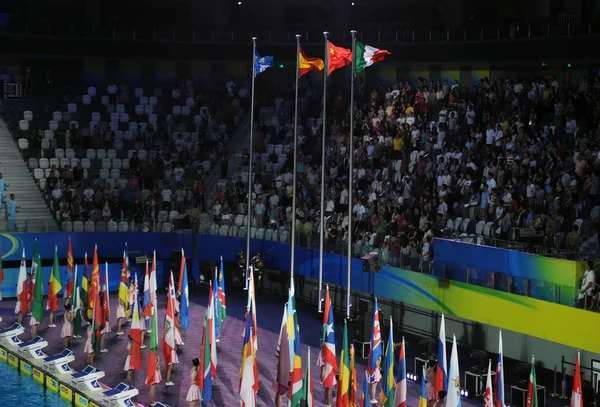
17, 390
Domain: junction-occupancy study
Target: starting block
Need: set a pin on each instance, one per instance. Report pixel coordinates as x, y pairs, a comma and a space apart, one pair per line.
10, 336
59, 363
87, 379
120, 396
33, 348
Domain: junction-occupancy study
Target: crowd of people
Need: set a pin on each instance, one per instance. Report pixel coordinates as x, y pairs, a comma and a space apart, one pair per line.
519, 153
169, 177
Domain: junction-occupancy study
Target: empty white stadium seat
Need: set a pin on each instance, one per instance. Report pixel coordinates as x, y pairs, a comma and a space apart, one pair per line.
33, 163
120, 108
86, 163
112, 226
124, 118
54, 162
45, 144
185, 110
89, 226
91, 90
139, 109
101, 154
59, 153
111, 154
86, 100
133, 126
69, 153
24, 125
44, 163
42, 182
90, 153
117, 164
57, 116
66, 116
115, 173
123, 227
104, 100
125, 164
28, 115
148, 109
106, 164
118, 145
53, 125
143, 100
197, 119
64, 162
72, 108
153, 101
176, 93
114, 126
78, 226
104, 173
23, 144
96, 117
139, 92
142, 155
176, 110
67, 226
49, 134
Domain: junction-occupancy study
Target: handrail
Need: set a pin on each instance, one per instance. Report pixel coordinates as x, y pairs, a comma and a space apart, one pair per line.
478, 34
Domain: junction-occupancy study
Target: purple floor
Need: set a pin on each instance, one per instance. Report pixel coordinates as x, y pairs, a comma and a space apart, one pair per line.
225, 390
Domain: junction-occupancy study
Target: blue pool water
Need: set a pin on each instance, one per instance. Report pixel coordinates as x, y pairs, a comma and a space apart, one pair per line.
17, 390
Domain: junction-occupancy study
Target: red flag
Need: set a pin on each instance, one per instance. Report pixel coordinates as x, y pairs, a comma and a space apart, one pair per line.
338, 57
576, 394
71, 270
94, 289
168, 341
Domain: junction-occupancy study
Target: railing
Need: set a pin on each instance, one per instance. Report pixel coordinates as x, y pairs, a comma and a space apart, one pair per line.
488, 33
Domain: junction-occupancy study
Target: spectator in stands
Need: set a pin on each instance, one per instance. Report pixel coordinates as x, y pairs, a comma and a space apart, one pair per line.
11, 213
588, 287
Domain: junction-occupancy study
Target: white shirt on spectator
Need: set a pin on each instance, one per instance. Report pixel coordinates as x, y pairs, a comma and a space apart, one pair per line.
344, 197
178, 173
166, 195
489, 136
588, 276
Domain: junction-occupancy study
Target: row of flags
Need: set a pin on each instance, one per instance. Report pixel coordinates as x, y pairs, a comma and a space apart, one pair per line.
337, 57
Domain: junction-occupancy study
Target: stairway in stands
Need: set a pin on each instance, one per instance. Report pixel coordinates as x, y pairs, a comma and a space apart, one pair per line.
33, 215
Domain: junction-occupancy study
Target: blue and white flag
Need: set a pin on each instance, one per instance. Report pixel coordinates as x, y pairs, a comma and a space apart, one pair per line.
261, 64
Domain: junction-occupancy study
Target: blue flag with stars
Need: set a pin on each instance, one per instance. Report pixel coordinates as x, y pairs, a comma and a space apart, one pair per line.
261, 64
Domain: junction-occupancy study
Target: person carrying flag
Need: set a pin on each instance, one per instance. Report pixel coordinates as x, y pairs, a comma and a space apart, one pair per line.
194, 395
67, 329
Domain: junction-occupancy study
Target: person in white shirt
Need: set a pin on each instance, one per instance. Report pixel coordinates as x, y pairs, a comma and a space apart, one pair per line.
588, 287
166, 198
344, 199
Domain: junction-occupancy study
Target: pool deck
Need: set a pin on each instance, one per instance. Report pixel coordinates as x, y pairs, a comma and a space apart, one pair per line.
225, 389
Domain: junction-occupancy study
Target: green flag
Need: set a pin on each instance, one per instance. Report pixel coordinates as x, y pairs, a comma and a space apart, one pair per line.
532, 398
37, 307
75, 306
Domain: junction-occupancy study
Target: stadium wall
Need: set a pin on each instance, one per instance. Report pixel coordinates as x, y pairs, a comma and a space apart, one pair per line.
474, 313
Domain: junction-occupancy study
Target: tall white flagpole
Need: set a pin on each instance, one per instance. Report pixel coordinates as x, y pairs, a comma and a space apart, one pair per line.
293, 260
250, 162
350, 175
323, 162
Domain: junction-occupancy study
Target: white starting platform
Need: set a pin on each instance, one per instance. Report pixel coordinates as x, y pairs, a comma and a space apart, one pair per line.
59, 363
87, 379
10, 336
120, 396
33, 348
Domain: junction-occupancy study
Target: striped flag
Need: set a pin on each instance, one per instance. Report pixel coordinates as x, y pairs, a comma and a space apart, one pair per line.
168, 342
94, 291
281, 383
328, 344
105, 297
85, 287
54, 285
22, 290
499, 377
208, 353
147, 298
307, 391
441, 371
375, 350
423, 394
70, 271
37, 295
488, 395
222, 295
296, 384
353, 391
248, 382
344, 380
153, 285
217, 305
97, 323
365, 400
576, 394
152, 366
123, 289
388, 386
532, 398
251, 307
135, 332
76, 305
35, 264
400, 393
184, 295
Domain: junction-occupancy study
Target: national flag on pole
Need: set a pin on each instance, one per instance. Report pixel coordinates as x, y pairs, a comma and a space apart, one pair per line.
85, 287
423, 393
22, 290
94, 291
577, 393
55, 284
532, 398
70, 271
353, 391
441, 371
248, 381
499, 376
168, 341
400, 392
154, 349
184, 295
453, 397
35, 265
153, 285
217, 305
328, 345
296, 382
222, 295
375, 350
261, 64
76, 305
251, 309
104, 297
97, 323
488, 395
338, 57
135, 332
365, 400
367, 55
37, 297
282, 354
307, 391
123, 289
309, 64
147, 298
344, 379
388, 384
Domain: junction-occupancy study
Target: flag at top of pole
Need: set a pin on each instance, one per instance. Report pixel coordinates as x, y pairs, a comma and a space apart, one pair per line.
532, 398
499, 377
576, 394
328, 345
375, 351
441, 371
70, 271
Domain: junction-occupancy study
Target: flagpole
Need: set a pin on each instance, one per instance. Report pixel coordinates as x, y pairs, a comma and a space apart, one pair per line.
295, 159
350, 173
323, 159
250, 162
